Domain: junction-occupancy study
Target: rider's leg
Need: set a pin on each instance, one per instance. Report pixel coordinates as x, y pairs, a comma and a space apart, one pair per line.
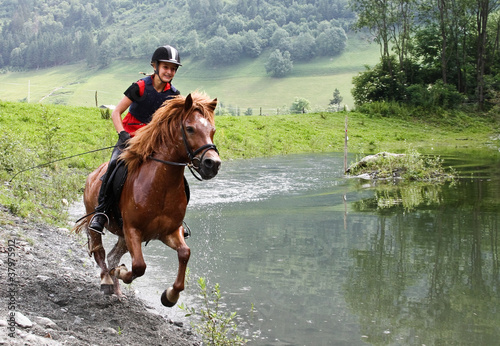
99, 219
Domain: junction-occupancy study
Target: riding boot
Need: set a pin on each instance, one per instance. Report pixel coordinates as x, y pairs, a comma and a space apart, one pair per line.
100, 218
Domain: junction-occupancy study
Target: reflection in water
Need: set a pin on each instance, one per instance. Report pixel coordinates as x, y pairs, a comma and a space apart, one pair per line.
408, 265
431, 276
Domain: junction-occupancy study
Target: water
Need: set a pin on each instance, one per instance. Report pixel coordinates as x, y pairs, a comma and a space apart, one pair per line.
308, 257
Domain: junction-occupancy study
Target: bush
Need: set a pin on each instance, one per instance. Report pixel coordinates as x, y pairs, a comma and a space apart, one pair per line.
382, 83
438, 95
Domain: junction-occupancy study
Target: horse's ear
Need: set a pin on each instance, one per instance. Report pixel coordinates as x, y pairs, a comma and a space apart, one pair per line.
212, 105
189, 102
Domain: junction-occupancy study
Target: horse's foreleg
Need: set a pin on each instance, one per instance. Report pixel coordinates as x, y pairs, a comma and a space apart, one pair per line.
176, 242
114, 257
133, 244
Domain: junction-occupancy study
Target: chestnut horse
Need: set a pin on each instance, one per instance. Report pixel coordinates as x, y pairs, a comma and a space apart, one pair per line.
153, 200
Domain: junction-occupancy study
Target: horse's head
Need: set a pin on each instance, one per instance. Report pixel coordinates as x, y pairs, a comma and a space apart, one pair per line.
181, 131
198, 131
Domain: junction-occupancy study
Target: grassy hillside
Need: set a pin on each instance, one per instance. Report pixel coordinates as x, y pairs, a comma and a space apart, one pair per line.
244, 85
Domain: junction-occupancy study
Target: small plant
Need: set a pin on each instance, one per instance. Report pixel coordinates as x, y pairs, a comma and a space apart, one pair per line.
215, 327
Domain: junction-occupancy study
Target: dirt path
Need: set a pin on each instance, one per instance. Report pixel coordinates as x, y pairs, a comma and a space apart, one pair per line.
49, 289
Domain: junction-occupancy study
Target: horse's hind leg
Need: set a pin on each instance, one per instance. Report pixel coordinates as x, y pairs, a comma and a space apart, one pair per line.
96, 248
176, 242
114, 257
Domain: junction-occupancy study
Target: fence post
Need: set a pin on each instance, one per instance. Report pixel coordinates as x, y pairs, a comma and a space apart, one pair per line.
345, 146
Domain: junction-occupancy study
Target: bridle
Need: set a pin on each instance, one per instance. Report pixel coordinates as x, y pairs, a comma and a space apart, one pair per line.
194, 161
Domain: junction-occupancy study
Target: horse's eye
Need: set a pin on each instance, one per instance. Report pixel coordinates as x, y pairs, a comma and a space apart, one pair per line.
190, 129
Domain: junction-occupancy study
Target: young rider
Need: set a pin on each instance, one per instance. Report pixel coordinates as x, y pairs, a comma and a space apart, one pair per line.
142, 99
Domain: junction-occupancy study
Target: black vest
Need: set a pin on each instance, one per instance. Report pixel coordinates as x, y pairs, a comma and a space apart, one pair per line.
143, 108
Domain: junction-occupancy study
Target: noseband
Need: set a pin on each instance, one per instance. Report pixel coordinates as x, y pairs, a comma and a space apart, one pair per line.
194, 162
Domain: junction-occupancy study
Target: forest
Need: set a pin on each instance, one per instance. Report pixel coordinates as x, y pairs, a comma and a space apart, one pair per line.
433, 53
43, 33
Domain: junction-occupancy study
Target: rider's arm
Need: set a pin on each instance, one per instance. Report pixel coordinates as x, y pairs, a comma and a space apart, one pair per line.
116, 115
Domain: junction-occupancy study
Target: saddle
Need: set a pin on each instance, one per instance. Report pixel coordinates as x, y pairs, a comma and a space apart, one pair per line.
114, 189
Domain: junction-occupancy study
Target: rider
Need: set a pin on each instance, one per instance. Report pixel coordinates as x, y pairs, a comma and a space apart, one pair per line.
142, 99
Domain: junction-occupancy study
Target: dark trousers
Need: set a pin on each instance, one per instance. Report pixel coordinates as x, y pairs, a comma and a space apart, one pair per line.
102, 199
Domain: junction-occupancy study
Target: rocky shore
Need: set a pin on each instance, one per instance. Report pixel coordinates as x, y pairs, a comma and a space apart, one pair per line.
50, 295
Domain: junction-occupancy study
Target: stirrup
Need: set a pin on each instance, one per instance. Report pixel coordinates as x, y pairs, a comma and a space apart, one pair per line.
187, 230
101, 232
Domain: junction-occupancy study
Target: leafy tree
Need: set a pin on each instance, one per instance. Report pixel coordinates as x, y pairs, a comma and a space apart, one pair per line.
337, 99
279, 64
331, 42
300, 105
252, 44
377, 84
304, 47
278, 37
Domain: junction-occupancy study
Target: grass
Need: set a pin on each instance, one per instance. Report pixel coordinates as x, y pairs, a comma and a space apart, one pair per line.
244, 85
34, 134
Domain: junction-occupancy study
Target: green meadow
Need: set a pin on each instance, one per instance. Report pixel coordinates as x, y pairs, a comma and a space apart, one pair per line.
243, 85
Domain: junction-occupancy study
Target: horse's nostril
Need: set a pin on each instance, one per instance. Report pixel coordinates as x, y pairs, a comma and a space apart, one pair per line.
210, 164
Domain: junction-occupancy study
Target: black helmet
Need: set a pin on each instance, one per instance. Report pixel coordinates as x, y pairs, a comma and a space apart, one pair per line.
167, 54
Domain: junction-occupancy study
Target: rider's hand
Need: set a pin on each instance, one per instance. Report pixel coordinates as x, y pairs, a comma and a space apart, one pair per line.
124, 136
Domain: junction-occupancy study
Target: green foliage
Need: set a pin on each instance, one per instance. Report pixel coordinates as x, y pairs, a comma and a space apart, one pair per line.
35, 135
216, 327
36, 35
384, 82
278, 64
434, 96
336, 100
300, 105
411, 166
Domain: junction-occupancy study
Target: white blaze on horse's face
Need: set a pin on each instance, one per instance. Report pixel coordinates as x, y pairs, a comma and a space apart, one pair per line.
204, 121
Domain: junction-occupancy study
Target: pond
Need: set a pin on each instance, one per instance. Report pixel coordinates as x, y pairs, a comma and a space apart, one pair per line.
306, 256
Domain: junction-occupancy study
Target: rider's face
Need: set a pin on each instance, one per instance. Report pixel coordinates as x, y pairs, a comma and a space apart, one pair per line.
166, 70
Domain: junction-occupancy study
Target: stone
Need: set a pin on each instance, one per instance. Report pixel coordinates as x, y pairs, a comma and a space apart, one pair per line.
23, 321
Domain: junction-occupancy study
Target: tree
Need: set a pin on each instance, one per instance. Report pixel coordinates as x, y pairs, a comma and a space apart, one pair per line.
303, 47
331, 42
252, 44
336, 100
278, 64
300, 105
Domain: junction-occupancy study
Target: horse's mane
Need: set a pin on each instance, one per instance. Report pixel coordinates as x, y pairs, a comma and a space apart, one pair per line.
161, 130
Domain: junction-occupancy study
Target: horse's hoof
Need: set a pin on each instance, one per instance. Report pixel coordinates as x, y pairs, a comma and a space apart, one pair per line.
107, 289
168, 298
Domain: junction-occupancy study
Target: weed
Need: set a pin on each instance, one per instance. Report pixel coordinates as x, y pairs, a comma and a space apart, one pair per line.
216, 327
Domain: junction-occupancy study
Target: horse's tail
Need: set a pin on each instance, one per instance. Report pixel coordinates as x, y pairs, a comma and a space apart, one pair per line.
82, 224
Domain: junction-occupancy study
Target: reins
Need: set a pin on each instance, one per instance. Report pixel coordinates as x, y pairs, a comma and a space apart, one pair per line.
64, 158
191, 155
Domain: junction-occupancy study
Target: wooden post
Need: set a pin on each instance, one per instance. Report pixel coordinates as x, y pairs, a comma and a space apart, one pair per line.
345, 146
96, 99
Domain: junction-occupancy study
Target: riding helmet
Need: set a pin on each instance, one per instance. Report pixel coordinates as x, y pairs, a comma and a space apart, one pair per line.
168, 54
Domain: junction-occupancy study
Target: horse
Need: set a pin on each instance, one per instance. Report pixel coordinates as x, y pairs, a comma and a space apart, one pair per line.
154, 197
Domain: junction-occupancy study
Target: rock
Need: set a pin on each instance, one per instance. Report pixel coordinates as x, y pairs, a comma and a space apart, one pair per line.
45, 322
32, 339
23, 321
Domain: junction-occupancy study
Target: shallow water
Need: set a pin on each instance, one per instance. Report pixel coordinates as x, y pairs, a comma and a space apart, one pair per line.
308, 257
